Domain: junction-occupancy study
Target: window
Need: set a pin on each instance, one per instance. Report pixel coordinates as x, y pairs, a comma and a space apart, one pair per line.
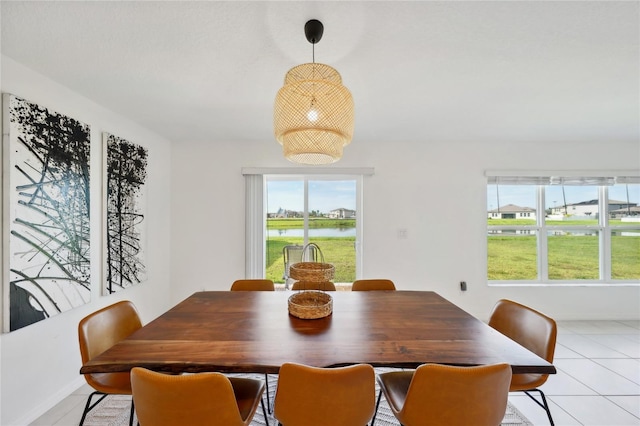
318, 209
287, 207
547, 229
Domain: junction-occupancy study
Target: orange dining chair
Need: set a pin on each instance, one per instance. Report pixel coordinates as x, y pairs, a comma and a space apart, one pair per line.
536, 332
312, 285
99, 331
256, 284
195, 399
373, 284
439, 395
252, 284
312, 396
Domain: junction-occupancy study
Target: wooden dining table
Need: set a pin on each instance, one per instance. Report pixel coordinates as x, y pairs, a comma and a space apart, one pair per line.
253, 331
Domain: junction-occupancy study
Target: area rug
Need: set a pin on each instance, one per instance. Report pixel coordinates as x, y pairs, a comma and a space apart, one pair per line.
114, 411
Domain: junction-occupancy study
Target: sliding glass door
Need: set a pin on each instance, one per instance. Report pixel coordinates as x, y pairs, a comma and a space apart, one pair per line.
323, 210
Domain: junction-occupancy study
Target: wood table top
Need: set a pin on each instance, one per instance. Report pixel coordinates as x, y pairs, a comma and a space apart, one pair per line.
247, 331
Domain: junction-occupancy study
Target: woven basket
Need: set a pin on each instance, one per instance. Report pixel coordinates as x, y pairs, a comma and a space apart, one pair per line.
312, 271
310, 304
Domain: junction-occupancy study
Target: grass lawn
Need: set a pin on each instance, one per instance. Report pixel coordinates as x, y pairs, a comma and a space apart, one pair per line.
314, 222
570, 257
339, 251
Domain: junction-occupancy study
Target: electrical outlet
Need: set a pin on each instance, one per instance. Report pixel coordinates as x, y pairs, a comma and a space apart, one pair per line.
463, 285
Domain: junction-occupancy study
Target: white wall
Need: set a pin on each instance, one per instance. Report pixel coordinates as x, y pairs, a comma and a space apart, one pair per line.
412, 182
40, 363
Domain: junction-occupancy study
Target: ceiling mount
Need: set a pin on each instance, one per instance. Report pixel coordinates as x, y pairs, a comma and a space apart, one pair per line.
313, 30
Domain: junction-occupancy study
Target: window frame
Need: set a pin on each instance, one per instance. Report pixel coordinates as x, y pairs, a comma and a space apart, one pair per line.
256, 208
542, 179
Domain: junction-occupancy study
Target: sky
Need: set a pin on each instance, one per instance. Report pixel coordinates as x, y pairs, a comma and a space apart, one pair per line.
324, 195
525, 196
327, 195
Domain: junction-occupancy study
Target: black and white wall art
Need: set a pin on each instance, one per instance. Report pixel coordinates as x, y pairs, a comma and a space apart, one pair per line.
47, 212
126, 171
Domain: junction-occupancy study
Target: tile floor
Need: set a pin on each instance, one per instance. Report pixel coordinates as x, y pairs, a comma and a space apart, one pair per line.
598, 380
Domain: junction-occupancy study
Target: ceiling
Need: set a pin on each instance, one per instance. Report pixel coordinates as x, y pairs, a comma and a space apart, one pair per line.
451, 71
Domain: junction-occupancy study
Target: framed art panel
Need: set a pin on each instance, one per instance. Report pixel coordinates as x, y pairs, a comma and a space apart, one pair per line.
47, 195
126, 174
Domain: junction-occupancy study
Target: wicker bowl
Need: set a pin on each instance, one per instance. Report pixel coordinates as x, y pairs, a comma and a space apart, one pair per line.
312, 271
310, 304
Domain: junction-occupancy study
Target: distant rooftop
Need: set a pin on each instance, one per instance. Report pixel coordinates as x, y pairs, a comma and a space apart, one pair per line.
512, 208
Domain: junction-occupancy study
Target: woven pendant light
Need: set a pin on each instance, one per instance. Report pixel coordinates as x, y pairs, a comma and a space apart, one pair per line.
313, 112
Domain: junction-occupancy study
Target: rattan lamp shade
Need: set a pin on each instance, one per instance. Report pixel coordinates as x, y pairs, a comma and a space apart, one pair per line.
313, 115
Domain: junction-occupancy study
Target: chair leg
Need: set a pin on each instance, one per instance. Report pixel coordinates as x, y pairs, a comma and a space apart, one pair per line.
542, 404
264, 412
373, 419
88, 406
266, 380
133, 410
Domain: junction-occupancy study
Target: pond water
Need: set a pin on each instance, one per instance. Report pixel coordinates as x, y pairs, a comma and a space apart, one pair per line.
322, 232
